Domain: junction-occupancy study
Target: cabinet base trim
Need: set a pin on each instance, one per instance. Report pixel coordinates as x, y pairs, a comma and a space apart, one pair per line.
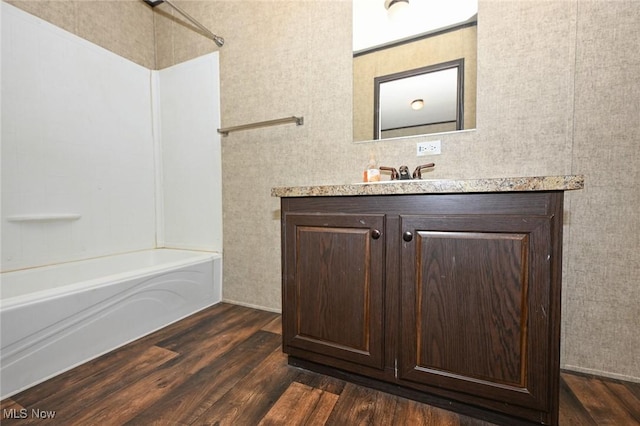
426, 398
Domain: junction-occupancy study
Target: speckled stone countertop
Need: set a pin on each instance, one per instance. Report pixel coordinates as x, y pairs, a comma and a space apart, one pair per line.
437, 186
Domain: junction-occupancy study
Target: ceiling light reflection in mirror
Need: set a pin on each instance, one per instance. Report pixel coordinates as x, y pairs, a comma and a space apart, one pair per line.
374, 25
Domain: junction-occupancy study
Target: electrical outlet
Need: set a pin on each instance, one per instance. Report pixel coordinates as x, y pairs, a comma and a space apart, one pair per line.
428, 148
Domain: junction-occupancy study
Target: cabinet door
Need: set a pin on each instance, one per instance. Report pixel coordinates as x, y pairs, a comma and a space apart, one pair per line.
476, 306
332, 286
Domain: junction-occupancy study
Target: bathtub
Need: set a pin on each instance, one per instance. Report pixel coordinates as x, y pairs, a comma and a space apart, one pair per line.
56, 317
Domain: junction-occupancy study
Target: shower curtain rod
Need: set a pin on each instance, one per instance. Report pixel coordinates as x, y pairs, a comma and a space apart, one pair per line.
217, 39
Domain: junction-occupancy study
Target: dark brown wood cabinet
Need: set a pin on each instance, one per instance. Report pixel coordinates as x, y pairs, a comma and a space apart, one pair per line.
334, 283
452, 299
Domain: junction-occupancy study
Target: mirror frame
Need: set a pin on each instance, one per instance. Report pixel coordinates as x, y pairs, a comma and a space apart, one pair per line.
456, 63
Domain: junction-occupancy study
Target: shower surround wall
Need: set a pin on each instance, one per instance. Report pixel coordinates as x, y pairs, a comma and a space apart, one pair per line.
79, 137
190, 209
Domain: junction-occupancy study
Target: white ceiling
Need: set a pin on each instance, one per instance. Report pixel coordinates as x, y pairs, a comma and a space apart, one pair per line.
372, 25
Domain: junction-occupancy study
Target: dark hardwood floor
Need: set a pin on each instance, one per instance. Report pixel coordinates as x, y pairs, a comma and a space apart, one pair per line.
224, 366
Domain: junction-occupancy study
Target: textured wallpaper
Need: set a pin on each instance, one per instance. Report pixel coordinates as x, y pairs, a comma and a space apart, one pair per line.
557, 93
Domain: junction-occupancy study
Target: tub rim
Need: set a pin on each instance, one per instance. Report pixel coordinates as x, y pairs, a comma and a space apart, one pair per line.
95, 283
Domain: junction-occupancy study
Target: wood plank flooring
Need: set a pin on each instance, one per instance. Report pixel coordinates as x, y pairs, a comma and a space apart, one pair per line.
225, 366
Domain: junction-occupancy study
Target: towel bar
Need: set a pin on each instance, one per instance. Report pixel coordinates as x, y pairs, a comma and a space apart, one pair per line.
298, 120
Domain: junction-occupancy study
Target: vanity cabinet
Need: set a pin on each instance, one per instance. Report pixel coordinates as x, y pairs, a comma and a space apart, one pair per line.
451, 299
334, 282
475, 299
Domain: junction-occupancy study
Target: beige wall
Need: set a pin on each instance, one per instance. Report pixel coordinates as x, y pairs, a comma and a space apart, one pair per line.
557, 94
410, 56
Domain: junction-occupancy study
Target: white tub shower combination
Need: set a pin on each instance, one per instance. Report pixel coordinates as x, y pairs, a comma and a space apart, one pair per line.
102, 159
54, 318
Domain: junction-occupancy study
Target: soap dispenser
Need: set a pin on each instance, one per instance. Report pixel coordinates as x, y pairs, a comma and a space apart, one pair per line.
372, 172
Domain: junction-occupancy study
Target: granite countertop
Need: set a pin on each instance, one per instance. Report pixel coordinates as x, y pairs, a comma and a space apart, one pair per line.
437, 186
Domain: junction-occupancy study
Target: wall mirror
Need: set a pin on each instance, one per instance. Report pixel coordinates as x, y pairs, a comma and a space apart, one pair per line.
432, 43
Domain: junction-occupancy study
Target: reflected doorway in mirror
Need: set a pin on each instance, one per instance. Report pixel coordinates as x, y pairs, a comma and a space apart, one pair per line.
420, 101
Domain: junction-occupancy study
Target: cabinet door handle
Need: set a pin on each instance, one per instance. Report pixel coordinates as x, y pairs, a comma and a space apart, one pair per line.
407, 236
375, 234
